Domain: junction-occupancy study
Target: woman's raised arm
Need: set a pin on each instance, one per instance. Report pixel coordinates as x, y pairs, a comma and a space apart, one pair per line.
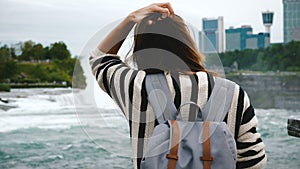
113, 41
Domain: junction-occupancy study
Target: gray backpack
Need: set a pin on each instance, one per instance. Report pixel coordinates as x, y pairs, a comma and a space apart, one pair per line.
204, 143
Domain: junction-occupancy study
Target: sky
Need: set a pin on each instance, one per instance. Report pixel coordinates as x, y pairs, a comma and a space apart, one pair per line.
76, 21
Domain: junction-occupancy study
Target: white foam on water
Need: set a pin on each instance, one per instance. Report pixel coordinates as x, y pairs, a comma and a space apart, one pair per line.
42, 109
9, 123
55, 109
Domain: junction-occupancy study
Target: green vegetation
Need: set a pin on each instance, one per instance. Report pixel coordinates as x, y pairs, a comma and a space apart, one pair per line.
38, 66
4, 87
277, 57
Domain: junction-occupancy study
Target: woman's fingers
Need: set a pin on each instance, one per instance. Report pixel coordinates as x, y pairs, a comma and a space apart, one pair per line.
166, 5
164, 8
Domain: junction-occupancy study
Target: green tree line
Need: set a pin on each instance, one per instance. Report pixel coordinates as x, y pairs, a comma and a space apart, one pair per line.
31, 62
276, 57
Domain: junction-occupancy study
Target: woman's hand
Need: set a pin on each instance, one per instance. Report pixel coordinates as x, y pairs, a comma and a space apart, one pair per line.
114, 40
164, 8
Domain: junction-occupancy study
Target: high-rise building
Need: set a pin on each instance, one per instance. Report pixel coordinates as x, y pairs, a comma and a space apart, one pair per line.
243, 38
291, 17
212, 36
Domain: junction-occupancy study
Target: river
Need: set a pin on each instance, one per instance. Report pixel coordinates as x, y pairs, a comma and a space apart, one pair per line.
43, 132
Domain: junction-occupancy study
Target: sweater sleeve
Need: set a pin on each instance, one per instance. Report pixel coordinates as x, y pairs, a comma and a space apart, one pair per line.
101, 63
250, 148
109, 71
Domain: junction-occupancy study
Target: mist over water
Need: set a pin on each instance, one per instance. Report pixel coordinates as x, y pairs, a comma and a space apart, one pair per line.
43, 131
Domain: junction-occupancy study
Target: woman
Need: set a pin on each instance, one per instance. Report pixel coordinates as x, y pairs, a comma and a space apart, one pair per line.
173, 52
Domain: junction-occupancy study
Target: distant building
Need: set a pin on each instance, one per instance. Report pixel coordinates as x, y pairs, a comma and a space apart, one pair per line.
212, 35
256, 41
268, 20
243, 38
236, 38
291, 17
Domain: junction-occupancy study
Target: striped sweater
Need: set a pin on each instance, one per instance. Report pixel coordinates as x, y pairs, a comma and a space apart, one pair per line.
127, 88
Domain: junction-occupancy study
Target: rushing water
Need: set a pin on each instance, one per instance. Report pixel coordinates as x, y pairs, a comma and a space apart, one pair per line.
43, 131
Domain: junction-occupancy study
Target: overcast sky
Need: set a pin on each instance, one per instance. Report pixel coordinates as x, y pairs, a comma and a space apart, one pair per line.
76, 21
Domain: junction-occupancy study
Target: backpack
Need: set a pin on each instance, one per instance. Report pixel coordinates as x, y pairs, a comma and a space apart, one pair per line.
203, 144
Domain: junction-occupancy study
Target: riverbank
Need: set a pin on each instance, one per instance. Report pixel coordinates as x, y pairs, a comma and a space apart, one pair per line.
278, 90
38, 85
8, 87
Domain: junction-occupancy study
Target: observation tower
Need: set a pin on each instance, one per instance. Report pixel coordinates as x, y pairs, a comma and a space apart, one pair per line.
268, 20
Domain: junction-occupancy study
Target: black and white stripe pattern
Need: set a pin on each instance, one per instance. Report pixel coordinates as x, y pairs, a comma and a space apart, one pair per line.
127, 88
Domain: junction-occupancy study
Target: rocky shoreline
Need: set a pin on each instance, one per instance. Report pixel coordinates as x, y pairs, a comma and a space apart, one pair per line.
270, 90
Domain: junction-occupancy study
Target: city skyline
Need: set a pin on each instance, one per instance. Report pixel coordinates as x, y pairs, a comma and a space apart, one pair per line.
75, 22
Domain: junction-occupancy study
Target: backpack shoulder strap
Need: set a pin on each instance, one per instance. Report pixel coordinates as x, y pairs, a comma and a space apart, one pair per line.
220, 100
159, 97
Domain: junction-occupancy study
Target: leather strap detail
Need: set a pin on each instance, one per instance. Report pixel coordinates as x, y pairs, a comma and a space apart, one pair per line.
173, 157
206, 158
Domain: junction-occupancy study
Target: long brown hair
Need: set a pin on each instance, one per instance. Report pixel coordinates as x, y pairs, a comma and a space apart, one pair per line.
165, 44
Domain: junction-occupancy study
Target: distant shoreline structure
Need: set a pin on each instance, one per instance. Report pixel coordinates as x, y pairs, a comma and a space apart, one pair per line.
6, 87
279, 90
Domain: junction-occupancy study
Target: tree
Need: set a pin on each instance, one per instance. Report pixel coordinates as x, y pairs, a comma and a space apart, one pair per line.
39, 52
292, 56
33, 52
7, 64
12, 53
27, 51
58, 50
3, 61
10, 69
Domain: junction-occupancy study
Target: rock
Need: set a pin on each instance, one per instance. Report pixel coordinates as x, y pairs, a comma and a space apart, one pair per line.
293, 126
